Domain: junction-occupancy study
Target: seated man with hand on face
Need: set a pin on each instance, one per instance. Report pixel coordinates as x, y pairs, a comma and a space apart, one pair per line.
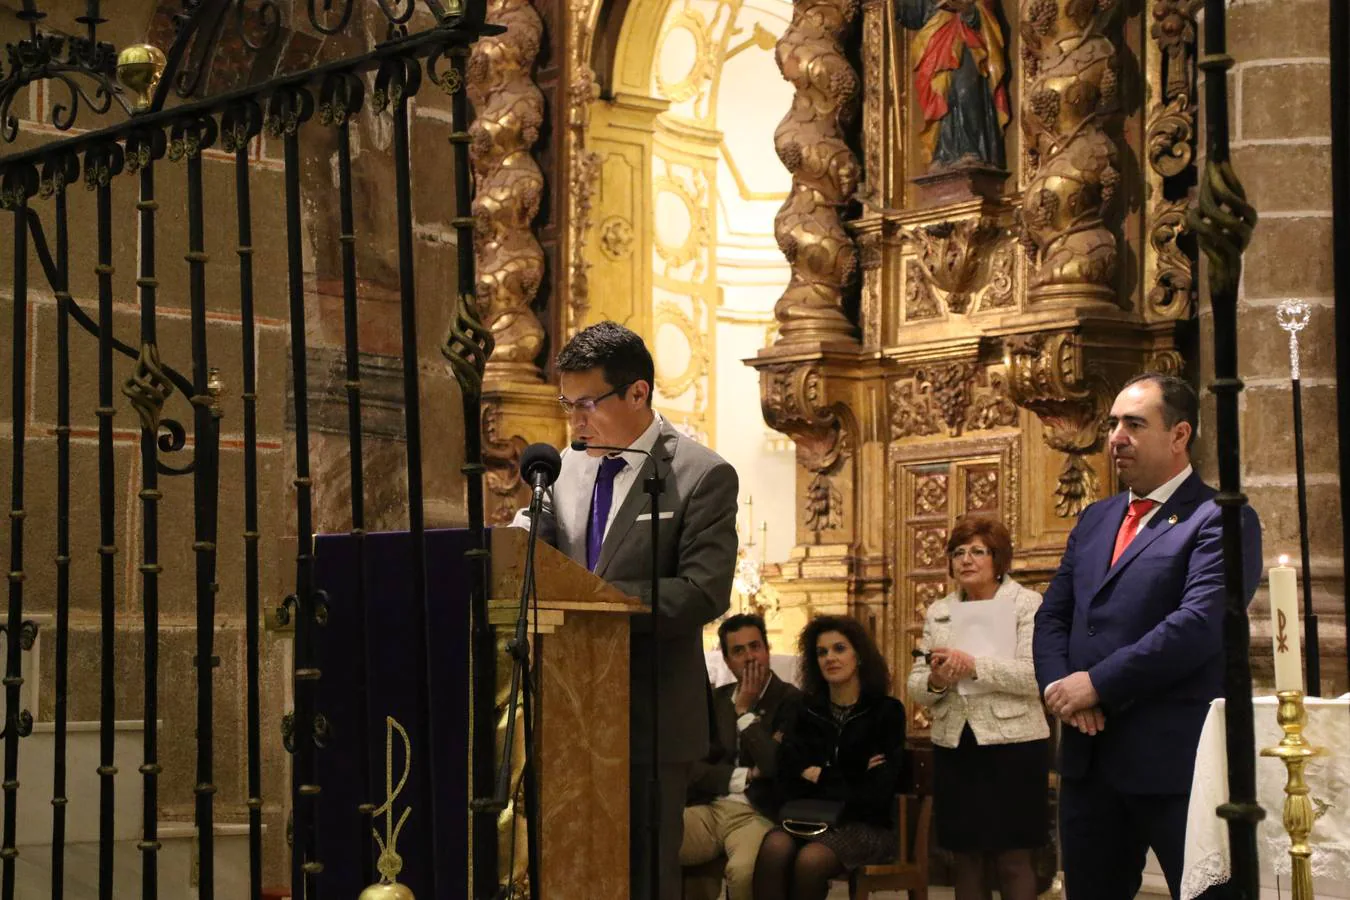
732, 791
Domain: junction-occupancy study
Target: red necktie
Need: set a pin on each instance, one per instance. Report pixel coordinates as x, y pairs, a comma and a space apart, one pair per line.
1138, 509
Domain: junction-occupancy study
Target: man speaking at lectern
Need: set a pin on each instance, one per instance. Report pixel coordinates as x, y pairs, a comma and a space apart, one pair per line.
598, 514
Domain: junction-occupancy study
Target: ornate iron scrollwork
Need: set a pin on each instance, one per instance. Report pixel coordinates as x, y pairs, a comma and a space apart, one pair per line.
82, 64
87, 67
467, 347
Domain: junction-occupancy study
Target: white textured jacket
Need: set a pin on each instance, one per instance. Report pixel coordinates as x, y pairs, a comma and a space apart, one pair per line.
1009, 715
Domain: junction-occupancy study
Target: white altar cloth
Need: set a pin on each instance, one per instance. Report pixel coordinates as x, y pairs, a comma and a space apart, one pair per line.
1207, 860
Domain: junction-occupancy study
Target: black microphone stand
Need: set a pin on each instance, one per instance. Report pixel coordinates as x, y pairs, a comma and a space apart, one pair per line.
654, 485
518, 648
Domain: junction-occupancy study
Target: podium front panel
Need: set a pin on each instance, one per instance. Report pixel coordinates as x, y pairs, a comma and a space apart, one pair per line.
391, 684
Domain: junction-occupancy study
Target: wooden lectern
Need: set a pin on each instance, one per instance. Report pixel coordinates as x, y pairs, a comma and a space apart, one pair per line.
582, 738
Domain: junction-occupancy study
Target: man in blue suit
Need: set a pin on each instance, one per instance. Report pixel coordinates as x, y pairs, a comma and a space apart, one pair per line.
1129, 646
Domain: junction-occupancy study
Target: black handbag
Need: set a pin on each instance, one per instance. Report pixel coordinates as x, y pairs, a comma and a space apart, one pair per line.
810, 818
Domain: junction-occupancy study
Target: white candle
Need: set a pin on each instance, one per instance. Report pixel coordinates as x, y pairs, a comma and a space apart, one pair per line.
1284, 627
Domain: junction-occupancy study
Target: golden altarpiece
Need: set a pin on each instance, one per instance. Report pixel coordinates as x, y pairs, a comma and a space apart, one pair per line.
951, 333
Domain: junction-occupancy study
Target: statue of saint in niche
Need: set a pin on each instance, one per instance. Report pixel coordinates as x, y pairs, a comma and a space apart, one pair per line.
960, 69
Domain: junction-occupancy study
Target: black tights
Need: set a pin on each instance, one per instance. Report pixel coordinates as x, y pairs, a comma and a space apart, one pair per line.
1016, 876
790, 868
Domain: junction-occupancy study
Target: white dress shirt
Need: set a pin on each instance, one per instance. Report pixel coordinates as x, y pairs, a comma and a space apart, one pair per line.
1161, 495
627, 477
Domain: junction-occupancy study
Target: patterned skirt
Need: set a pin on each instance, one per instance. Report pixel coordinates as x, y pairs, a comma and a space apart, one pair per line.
858, 844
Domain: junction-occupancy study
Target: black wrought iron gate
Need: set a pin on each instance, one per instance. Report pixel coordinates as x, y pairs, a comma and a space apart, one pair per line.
168, 125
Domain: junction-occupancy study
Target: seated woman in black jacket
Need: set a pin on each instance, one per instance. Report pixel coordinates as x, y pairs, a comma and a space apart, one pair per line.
847, 746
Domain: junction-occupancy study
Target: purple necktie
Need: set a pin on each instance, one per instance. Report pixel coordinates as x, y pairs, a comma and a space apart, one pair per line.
601, 500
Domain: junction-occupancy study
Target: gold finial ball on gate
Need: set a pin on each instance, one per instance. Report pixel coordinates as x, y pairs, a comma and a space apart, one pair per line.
139, 68
387, 892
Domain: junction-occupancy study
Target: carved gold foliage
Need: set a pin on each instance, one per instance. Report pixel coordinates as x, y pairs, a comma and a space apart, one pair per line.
1166, 362
953, 255
1001, 274
913, 412
991, 406
1070, 99
1171, 121
1170, 146
874, 101
506, 493
1173, 284
616, 237
930, 494
824, 505
1047, 374
507, 185
930, 547
793, 399
950, 387
955, 397
920, 301
981, 490
811, 143
583, 166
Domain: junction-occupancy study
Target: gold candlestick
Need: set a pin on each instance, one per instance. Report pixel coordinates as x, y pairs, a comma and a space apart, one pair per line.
1295, 751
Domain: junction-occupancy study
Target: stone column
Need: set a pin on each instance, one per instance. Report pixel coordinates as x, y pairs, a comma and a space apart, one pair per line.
1281, 150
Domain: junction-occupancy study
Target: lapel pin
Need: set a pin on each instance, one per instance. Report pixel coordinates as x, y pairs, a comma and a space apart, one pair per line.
1172, 520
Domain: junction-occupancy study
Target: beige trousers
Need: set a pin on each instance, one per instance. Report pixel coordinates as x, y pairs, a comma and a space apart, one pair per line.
723, 827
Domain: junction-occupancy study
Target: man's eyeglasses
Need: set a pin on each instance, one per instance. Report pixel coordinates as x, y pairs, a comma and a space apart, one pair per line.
972, 552
588, 404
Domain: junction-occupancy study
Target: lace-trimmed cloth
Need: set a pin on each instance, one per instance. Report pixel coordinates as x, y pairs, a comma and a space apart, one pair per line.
1207, 861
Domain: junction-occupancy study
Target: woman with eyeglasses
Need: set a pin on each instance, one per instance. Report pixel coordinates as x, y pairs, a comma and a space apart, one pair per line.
990, 735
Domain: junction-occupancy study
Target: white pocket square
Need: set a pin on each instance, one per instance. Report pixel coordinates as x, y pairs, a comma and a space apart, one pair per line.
647, 517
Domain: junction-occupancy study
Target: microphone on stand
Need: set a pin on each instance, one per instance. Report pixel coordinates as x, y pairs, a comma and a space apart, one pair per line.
540, 465
539, 468
653, 485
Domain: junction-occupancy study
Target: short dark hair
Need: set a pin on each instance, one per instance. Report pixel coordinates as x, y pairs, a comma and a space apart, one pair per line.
992, 532
872, 671
616, 350
1180, 403
736, 623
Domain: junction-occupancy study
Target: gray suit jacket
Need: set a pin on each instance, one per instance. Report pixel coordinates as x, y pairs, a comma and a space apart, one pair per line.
696, 564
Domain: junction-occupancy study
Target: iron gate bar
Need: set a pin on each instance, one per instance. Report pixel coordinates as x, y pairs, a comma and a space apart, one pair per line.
397, 81
103, 163
291, 107
242, 123
343, 96
189, 141
1222, 221
469, 373
65, 168
469, 348
13, 664
146, 206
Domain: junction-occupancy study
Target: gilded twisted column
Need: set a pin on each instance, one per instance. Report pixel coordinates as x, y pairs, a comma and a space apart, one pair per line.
811, 143
583, 166
507, 186
1070, 97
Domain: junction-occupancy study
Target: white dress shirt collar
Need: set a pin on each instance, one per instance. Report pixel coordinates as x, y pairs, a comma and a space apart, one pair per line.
1165, 491
645, 442
1162, 494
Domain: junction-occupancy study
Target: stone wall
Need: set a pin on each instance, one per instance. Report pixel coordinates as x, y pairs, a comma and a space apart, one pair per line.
1281, 148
